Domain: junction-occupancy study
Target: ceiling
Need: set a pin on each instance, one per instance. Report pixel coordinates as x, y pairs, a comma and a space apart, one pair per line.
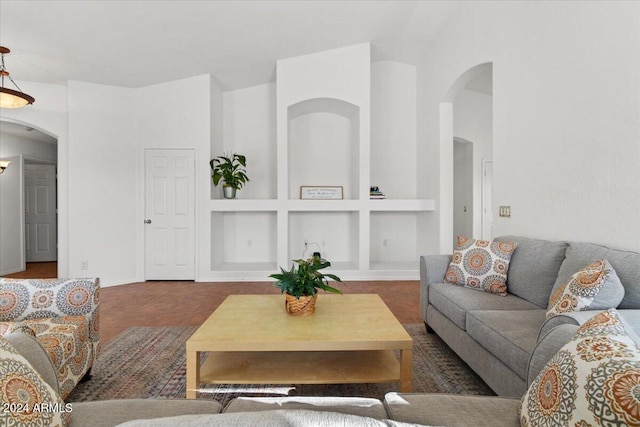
26, 132
140, 43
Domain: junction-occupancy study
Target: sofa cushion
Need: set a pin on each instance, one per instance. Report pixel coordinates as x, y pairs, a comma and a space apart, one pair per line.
534, 268
594, 287
626, 264
481, 265
345, 405
592, 380
294, 417
109, 413
24, 391
455, 301
509, 335
452, 410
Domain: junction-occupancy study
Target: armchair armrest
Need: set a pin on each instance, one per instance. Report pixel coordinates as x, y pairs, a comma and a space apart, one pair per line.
44, 298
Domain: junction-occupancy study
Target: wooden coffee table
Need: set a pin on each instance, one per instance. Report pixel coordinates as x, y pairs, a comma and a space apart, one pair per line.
251, 340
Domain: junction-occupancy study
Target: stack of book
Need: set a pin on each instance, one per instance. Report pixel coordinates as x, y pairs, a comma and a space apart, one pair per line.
375, 193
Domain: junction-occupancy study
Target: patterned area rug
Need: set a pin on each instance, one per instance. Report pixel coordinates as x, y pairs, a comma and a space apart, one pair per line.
149, 362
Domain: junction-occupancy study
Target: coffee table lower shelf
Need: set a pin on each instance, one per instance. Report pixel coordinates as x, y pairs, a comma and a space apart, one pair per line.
300, 367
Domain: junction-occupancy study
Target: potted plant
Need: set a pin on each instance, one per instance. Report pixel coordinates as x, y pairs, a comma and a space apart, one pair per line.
300, 284
231, 169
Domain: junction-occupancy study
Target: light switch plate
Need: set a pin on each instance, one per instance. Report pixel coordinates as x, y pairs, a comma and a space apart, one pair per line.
505, 211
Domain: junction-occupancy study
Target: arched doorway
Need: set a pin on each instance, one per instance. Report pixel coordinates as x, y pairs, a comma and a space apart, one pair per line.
28, 199
465, 115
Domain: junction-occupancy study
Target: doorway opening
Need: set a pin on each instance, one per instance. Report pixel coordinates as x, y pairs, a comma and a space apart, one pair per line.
28, 199
462, 187
466, 140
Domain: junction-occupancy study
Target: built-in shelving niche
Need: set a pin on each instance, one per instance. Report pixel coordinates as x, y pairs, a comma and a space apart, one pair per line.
340, 246
244, 241
323, 145
393, 241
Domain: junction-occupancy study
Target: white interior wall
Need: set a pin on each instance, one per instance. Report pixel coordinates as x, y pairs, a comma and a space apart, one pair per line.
393, 129
249, 128
102, 182
49, 114
566, 103
393, 168
209, 249
473, 121
12, 145
183, 123
340, 74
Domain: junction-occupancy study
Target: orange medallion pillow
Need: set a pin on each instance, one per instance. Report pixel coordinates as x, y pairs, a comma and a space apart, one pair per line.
481, 265
592, 381
595, 287
27, 399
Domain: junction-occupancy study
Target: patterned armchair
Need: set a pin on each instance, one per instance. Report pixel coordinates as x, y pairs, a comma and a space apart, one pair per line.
62, 315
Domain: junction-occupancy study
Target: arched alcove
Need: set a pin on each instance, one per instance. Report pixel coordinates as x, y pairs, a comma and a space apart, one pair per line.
323, 145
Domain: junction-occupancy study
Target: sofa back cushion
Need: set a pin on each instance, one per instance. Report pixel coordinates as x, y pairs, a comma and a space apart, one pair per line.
626, 264
534, 268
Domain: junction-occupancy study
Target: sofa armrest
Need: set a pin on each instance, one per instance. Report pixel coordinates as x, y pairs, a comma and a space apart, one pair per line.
576, 318
548, 346
36, 355
432, 270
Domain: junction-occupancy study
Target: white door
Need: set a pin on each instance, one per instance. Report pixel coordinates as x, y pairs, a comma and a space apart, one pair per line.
169, 214
487, 190
40, 219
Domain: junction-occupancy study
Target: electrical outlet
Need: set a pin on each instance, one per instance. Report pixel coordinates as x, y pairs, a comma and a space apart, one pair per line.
84, 265
249, 243
384, 242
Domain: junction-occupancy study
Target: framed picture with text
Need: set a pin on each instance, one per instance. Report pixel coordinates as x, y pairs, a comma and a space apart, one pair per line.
327, 192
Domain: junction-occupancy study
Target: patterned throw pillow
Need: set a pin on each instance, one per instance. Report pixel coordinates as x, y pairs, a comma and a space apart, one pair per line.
592, 381
26, 398
481, 265
595, 287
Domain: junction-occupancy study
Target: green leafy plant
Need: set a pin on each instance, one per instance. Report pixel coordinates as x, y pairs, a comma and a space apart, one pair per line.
305, 279
231, 168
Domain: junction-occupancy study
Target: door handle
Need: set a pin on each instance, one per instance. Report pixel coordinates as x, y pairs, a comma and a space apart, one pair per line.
147, 221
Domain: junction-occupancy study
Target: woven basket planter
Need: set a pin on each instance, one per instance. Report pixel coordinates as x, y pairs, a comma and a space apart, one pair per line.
303, 306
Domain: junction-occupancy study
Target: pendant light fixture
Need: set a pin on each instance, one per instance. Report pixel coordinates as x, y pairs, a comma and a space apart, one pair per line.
3, 165
10, 98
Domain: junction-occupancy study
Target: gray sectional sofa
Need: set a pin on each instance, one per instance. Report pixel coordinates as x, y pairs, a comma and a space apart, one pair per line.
496, 335
397, 408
